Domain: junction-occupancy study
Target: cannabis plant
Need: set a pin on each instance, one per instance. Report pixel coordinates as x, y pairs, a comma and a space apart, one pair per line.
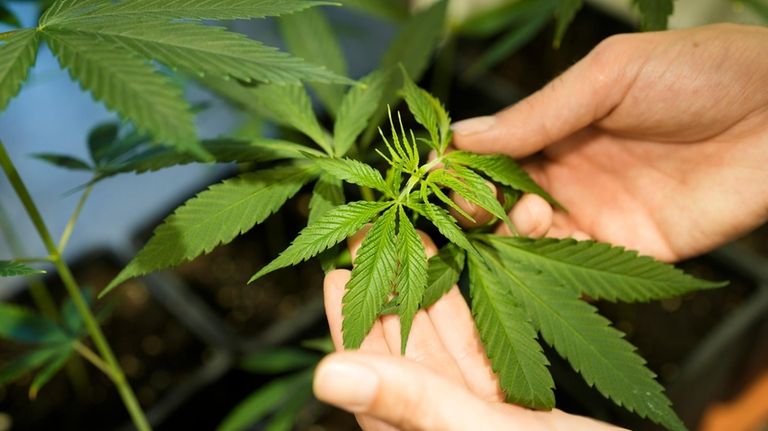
523, 291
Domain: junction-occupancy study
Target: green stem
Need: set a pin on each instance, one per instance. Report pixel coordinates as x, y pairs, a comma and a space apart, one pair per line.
123, 388
73, 219
367, 194
94, 359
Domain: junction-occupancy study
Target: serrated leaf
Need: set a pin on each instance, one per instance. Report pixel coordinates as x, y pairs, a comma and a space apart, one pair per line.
310, 36
412, 47
290, 105
328, 194
18, 52
61, 9
411, 277
471, 187
503, 170
216, 216
221, 150
331, 228
509, 340
179, 9
445, 224
353, 171
127, 85
25, 326
564, 14
429, 112
55, 363
654, 13
357, 108
200, 49
443, 272
584, 338
264, 401
15, 269
372, 280
600, 270
64, 161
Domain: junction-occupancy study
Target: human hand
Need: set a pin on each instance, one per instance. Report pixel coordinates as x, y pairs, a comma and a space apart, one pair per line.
444, 382
654, 141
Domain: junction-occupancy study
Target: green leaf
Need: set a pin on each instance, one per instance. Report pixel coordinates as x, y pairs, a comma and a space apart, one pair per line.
353, 171
18, 52
25, 326
264, 401
310, 36
564, 14
759, 7
216, 216
496, 20
509, 340
412, 47
25, 364
127, 85
328, 194
654, 13
357, 108
445, 224
390, 9
200, 49
290, 105
599, 270
471, 187
444, 270
178, 9
100, 140
222, 151
7, 17
429, 112
53, 366
331, 228
284, 418
411, 277
580, 335
503, 170
64, 161
372, 280
278, 360
15, 269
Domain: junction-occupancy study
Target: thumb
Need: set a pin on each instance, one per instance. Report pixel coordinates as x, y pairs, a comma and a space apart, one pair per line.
400, 393
584, 94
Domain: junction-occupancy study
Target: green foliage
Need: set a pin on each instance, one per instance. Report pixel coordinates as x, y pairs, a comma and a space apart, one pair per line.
654, 13
18, 52
274, 397
16, 269
24, 326
353, 171
564, 14
357, 107
372, 280
444, 270
279, 360
583, 337
331, 228
411, 280
429, 112
601, 271
7, 17
509, 339
310, 36
759, 7
217, 216
390, 9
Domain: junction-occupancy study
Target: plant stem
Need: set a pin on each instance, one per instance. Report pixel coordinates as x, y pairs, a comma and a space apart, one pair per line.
94, 359
73, 219
367, 194
126, 393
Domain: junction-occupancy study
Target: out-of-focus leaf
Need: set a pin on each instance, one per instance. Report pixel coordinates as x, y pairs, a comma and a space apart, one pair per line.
25, 364
279, 360
25, 326
64, 161
564, 14
7, 16
55, 363
101, 138
390, 9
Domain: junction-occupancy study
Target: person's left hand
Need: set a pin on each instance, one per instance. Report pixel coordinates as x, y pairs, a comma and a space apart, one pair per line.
444, 382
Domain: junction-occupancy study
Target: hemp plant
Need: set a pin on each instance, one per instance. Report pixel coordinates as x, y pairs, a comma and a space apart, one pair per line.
521, 288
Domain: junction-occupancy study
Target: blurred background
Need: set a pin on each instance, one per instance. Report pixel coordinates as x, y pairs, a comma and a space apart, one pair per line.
196, 342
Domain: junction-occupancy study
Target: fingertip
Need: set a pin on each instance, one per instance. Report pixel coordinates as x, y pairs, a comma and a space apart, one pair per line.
532, 216
429, 246
354, 241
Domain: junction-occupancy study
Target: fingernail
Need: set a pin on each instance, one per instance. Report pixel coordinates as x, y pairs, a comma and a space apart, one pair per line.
473, 125
349, 385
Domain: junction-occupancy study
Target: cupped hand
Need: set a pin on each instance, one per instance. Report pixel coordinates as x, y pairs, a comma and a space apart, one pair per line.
444, 382
654, 141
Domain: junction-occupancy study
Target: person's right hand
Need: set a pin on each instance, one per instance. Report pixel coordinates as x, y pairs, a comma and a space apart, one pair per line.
654, 141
